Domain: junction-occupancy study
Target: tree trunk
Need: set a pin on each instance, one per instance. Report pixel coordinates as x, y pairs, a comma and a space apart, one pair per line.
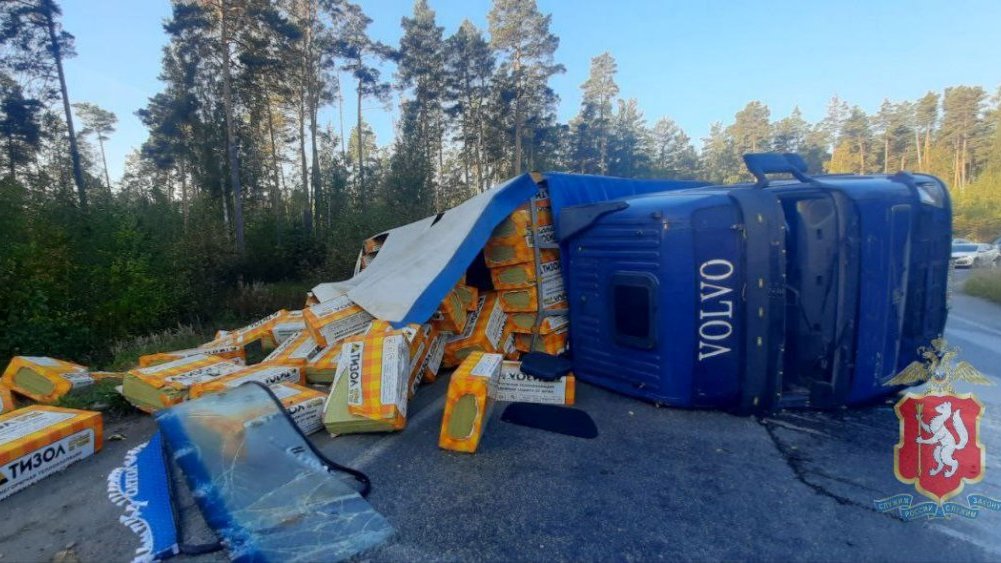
917, 149
307, 214
361, 154
276, 196
317, 192
184, 195
104, 160
47, 10
234, 167
886, 155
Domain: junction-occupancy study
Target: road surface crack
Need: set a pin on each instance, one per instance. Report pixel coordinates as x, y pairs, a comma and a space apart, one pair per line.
796, 464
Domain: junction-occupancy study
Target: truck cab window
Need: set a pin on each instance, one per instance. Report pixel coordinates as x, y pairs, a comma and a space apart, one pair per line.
633, 307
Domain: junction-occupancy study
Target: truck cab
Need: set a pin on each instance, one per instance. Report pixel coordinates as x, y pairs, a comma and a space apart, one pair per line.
796, 292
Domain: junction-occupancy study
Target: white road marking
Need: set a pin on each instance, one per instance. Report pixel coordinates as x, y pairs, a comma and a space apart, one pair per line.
380, 447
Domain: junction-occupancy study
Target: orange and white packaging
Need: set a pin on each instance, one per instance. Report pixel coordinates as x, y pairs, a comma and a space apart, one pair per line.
297, 350
222, 349
525, 323
261, 373
303, 405
44, 379
518, 224
524, 275
39, 440
452, 315
552, 343
526, 300
377, 367
164, 385
469, 401
287, 326
515, 386
483, 333
7, 403
322, 367
335, 319
419, 338
507, 345
435, 354
259, 330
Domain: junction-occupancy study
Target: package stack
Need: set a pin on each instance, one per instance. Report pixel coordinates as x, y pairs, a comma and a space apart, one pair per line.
529, 281
370, 249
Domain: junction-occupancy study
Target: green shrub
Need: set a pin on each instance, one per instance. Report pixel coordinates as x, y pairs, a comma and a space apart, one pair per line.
986, 284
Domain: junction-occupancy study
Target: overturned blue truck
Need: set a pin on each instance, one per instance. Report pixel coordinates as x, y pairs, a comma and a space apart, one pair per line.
796, 291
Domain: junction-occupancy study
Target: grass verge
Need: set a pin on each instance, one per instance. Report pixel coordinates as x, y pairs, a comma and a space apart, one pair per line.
985, 284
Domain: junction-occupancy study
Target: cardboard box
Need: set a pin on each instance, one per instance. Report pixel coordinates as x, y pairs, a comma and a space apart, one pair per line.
483, 331
303, 405
323, 366
469, 295
524, 323
436, 353
507, 253
525, 300
469, 401
452, 315
236, 353
295, 351
267, 374
156, 387
515, 386
519, 224
524, 275
336, 319
257, 331
38, 440
287, 326
369, 393
553, 343
7, 403
44, 379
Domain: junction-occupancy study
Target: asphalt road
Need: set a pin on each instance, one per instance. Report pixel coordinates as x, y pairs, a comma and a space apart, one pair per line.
656, 484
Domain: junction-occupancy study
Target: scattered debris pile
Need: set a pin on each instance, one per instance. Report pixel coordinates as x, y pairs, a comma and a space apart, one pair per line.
334, 366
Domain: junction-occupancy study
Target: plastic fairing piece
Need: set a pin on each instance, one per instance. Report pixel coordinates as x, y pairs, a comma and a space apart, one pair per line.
140, 486
264, 489
546, 367
551, 418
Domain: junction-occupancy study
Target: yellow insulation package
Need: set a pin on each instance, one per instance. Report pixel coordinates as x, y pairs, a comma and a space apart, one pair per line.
524, 323
369, 393
7, 403
432, 360
526, 300
452, 314
553, 343
296, 350
152, 388
468, 402
419, 338
257, 331
483, 331
506, 253
524, 275
44, 379
287, 326
469, 295
303, 404
518, 225
38, 440
335, 319
515, 386
236, 353
261, 373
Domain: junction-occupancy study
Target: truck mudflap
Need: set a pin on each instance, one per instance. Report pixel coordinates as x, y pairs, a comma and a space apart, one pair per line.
764, 299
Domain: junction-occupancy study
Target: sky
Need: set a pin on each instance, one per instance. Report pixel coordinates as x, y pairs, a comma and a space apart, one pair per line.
696, 62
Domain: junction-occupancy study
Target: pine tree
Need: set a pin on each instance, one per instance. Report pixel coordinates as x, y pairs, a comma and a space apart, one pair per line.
520, 33
672, 154
469, 69
595, 117
101, 123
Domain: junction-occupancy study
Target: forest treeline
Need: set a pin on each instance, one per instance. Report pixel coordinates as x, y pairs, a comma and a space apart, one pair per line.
242, 180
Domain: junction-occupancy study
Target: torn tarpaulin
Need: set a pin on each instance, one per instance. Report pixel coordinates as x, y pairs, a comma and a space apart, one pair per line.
261, 485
